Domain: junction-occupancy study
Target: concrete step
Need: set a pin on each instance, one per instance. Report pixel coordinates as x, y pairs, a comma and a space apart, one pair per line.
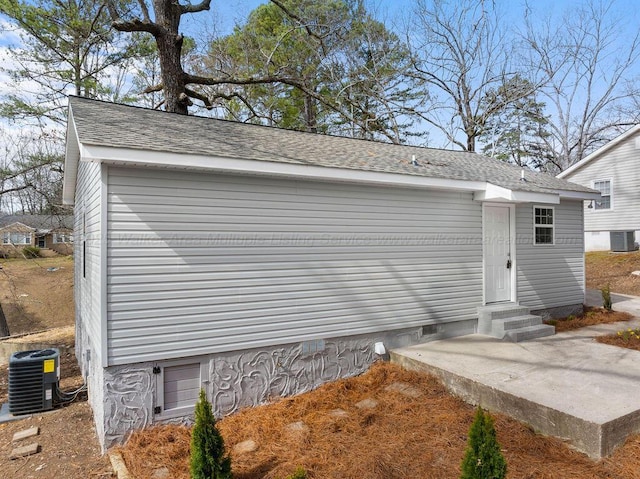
529, 332
500, 326
486, 315
502, 310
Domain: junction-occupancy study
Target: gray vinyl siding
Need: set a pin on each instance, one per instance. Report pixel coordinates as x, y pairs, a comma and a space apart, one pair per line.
551, 275
201, 263
621, 165
88, 286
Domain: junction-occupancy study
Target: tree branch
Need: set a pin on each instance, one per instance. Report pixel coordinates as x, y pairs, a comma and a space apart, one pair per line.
134, 25
17, 188
204, 5
154, 88
199, 96
298, 19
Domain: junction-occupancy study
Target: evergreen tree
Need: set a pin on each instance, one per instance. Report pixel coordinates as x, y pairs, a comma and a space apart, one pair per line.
208, 459
483, 459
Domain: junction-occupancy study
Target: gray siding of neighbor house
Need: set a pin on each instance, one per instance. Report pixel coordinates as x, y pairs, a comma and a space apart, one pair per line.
551, 276
88, 280
621, 165
203, 263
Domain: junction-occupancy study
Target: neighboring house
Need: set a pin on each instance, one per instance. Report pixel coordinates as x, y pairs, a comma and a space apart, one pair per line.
614, 170
256, 262
47, 232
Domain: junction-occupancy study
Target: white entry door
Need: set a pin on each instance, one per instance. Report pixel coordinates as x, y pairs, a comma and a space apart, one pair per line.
497, 254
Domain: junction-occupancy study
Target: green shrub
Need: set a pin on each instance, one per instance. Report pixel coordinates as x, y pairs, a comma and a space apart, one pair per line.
299, 473
606, 298
30, 252
483, 459
208, 459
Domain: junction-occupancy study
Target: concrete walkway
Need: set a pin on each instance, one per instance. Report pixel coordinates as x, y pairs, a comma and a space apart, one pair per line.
567, 385
621, 302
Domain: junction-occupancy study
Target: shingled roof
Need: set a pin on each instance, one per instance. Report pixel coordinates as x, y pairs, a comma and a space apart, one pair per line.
111, 125
41, 223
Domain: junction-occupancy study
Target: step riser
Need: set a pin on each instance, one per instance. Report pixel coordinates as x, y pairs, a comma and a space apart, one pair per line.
501, 327
503, 314
511, 323
517, 336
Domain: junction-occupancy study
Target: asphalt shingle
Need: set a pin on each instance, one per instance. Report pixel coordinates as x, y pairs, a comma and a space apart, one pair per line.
108, 124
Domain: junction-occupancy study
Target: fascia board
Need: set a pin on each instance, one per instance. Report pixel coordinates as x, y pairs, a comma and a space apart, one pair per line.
147, 158
71, 159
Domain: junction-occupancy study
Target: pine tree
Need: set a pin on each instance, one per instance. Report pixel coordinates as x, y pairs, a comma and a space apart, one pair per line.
208, 459
483, 459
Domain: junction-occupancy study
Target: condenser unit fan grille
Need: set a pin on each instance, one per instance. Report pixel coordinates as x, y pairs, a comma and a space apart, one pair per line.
33, 380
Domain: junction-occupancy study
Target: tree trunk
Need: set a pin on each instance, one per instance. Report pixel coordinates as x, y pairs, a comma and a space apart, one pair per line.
169, 51
4, 327
310, 114
471, 142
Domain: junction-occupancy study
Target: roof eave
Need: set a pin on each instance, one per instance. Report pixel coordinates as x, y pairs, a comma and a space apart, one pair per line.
161, 159
495, 193
71, 160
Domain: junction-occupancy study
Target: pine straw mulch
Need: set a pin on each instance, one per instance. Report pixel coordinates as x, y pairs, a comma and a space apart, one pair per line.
590, 317
326, 433
626, 338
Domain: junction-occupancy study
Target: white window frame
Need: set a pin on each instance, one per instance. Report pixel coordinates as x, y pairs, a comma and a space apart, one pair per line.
552, 225
62, 238
595, 202
26, 237
184, 410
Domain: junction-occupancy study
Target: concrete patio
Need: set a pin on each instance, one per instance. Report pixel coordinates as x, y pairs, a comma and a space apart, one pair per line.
567, 385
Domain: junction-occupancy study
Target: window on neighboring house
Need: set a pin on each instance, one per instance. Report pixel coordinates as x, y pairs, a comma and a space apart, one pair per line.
604, 187
543, 225
16, 238
62, 238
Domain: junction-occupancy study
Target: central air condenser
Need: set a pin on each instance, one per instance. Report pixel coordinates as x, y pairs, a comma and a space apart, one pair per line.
33, 380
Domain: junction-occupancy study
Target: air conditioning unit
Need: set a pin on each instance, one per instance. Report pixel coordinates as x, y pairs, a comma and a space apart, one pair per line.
622, 241
33, 380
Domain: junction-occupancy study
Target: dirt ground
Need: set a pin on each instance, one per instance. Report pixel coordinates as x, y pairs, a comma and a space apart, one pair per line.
603, 267
410, 428
35, 295
35, 298
68, 444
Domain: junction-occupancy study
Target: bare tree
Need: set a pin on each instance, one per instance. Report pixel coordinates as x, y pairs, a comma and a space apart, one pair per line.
31, 173
461, 54
587, 70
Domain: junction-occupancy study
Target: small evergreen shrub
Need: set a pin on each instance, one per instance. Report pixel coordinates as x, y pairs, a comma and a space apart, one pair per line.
606, 298
483, 459
208, 458
30, 252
